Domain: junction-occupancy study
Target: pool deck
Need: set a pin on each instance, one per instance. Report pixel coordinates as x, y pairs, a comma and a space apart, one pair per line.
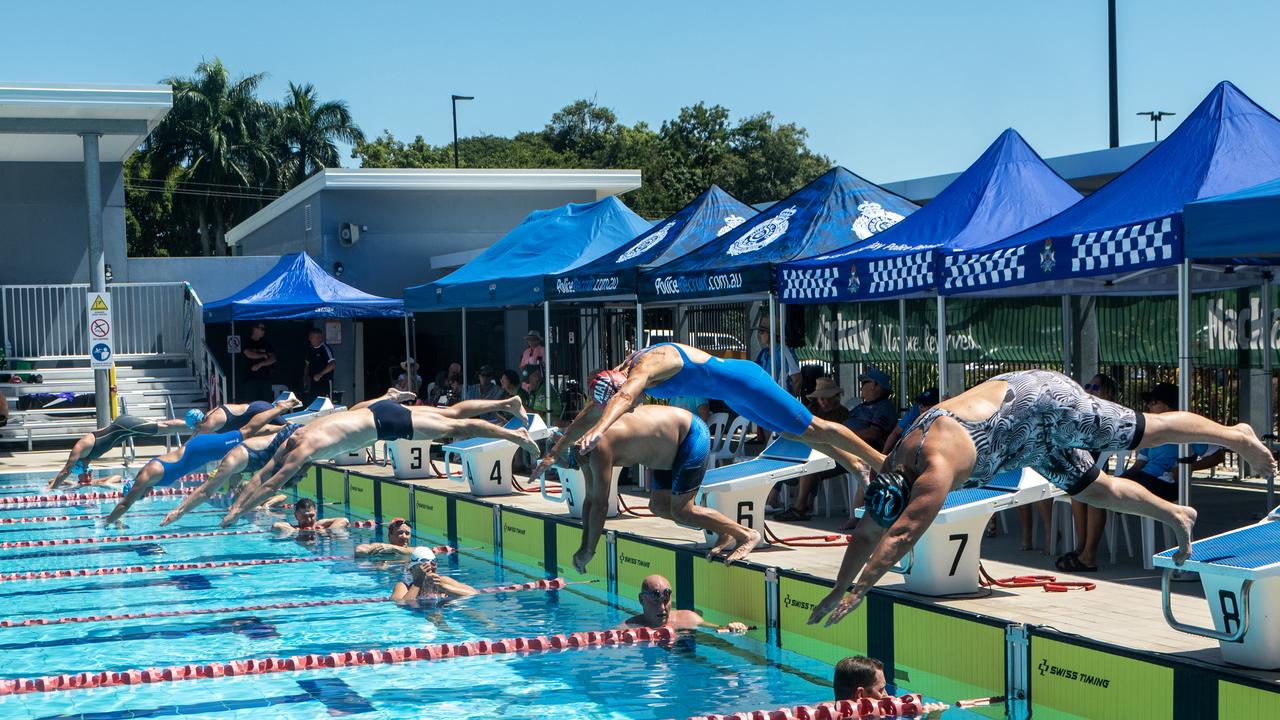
1123, 610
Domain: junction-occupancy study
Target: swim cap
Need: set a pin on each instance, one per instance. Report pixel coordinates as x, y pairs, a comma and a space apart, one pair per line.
421, 556
81, 467
604, 385
887, 496
194, 417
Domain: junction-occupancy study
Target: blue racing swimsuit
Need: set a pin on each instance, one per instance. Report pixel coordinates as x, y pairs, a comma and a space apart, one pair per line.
198, 452
690, 462
740, 384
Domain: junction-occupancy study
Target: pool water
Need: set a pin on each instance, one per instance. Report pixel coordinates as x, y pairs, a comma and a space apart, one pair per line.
700, 674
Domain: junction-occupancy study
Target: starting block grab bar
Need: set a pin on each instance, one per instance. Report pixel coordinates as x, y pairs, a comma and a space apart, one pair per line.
1226, 636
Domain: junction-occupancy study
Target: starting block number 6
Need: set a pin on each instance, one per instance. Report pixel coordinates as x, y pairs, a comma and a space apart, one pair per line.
745, 510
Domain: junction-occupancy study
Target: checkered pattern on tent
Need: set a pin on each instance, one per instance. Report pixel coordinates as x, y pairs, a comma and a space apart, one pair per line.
813, 284
902, 273
976, 270
1123, 247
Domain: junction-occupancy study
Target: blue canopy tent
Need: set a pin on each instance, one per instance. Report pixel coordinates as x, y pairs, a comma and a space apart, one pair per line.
828, 213
296, 288
1008, 188
514, 270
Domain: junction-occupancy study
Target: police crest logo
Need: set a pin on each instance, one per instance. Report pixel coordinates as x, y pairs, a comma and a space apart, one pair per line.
855, 283
648, 242
763, 234
731, 222
872, 218
1047, 259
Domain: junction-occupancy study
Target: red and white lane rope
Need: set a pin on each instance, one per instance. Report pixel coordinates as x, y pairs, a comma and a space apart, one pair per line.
142, 538
315, 661
553, 584
907, 706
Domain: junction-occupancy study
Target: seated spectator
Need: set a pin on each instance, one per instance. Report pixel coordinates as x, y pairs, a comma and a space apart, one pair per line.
453, 392
509, 383
1155, 469
874, 417
437, 388
486, 388
656, 611
924, 401
863, 677
4, 410
534, 394
698, 406
304, 514
825, 404
420, 581
409, 380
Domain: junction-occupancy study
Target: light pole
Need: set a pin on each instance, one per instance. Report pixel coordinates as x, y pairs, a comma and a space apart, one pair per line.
1156, 116
455, 99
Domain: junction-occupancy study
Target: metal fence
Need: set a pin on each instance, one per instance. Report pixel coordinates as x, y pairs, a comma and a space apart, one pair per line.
722, 329
49, 320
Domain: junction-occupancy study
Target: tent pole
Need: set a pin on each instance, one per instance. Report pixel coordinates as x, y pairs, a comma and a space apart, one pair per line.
782, 344
546, 379
1267, 361
942, 346
1184, 371
639, 325
464, 353
773, 343
233, 367
902, 352
408, 369
1067, 339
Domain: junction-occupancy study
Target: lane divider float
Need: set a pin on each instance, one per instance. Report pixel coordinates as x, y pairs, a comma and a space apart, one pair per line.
316, 661
907, 706
81, 497
97, 516
139, 538
553, 584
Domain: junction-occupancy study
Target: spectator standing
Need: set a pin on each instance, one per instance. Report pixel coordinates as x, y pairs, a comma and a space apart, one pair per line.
535, 353
786, 359
317, 370
260, 358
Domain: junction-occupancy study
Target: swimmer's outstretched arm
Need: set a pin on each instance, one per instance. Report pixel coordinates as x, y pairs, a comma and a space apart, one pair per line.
291, 465
201, 495
79, 450
628, 398
587, 417
147, 477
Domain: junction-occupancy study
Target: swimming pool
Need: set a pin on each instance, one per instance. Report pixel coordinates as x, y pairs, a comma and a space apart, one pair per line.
700, 674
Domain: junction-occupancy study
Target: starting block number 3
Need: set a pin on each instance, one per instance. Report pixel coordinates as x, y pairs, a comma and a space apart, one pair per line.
416, 458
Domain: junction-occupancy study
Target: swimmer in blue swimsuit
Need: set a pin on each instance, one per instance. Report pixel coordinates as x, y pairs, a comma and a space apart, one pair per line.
97, 443
667, 370
1034, 419
671, 442
234, 416
384, 418
247, 458
192, 457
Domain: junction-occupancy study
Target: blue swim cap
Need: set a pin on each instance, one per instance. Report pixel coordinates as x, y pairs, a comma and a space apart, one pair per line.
81, 467
194, 417
887, 496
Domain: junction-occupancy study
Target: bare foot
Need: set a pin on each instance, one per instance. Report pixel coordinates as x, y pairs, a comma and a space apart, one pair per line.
724, 543
1186, 520
401, 396
527, 442
744, 548
1255, 453
514, 407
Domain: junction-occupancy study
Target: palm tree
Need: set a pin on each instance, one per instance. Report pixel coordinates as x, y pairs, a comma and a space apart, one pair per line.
310, 131
214, 145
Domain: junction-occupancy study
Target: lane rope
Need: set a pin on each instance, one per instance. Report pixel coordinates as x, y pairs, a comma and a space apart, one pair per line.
147, 537
908, 706
312, 661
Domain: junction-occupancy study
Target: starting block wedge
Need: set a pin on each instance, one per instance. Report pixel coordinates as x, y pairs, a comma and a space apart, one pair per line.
486, 462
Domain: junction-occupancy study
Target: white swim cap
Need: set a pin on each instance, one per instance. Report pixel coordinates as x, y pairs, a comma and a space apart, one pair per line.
421, 556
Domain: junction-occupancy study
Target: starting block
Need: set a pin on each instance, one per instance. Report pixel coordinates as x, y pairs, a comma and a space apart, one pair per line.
359, 456
486, 462
1240, 573
573, 490
739, 491
318, 408
411, 459
945, 559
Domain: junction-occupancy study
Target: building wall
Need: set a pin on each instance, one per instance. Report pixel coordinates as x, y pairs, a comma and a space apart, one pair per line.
213, 278
405, 230
42, 207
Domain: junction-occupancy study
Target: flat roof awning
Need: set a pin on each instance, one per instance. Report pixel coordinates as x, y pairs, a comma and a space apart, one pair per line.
41, 122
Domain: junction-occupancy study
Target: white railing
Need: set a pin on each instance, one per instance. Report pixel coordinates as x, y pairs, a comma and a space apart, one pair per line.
203, 362
49, 320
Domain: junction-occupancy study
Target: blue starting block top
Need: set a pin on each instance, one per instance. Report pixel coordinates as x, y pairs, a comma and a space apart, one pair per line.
476, 442
970, 496
786, 449
740, 470
1254, 548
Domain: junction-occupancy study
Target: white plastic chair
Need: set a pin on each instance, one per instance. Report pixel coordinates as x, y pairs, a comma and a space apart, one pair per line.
735, 442
716, 425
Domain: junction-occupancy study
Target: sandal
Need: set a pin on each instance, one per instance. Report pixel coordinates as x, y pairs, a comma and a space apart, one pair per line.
1071, 562
791, 515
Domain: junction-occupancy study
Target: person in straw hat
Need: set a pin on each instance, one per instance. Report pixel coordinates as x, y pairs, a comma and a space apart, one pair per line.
409, 380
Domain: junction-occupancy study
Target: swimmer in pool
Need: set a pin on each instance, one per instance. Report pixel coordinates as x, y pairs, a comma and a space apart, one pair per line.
668, 440
1035, 419
421, 581
381, 419
304, 515
94, 445
399, 542
656, 611
246, 458
192, 457
667, 370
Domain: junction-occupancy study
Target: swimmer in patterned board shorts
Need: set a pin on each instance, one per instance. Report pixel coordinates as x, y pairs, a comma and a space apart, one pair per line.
1036, 419
667, 370
97, 443
384, 418
671, 442
246, 458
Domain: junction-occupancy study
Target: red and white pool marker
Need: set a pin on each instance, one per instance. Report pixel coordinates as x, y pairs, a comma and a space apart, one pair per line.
553, 584
888, 707
316, 661
142, 538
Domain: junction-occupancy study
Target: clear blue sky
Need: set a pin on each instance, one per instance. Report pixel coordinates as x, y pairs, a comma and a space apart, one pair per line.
892, 90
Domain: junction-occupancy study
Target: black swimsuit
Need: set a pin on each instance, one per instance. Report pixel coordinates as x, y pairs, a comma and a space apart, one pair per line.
235, 422
392, 420
119, 429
